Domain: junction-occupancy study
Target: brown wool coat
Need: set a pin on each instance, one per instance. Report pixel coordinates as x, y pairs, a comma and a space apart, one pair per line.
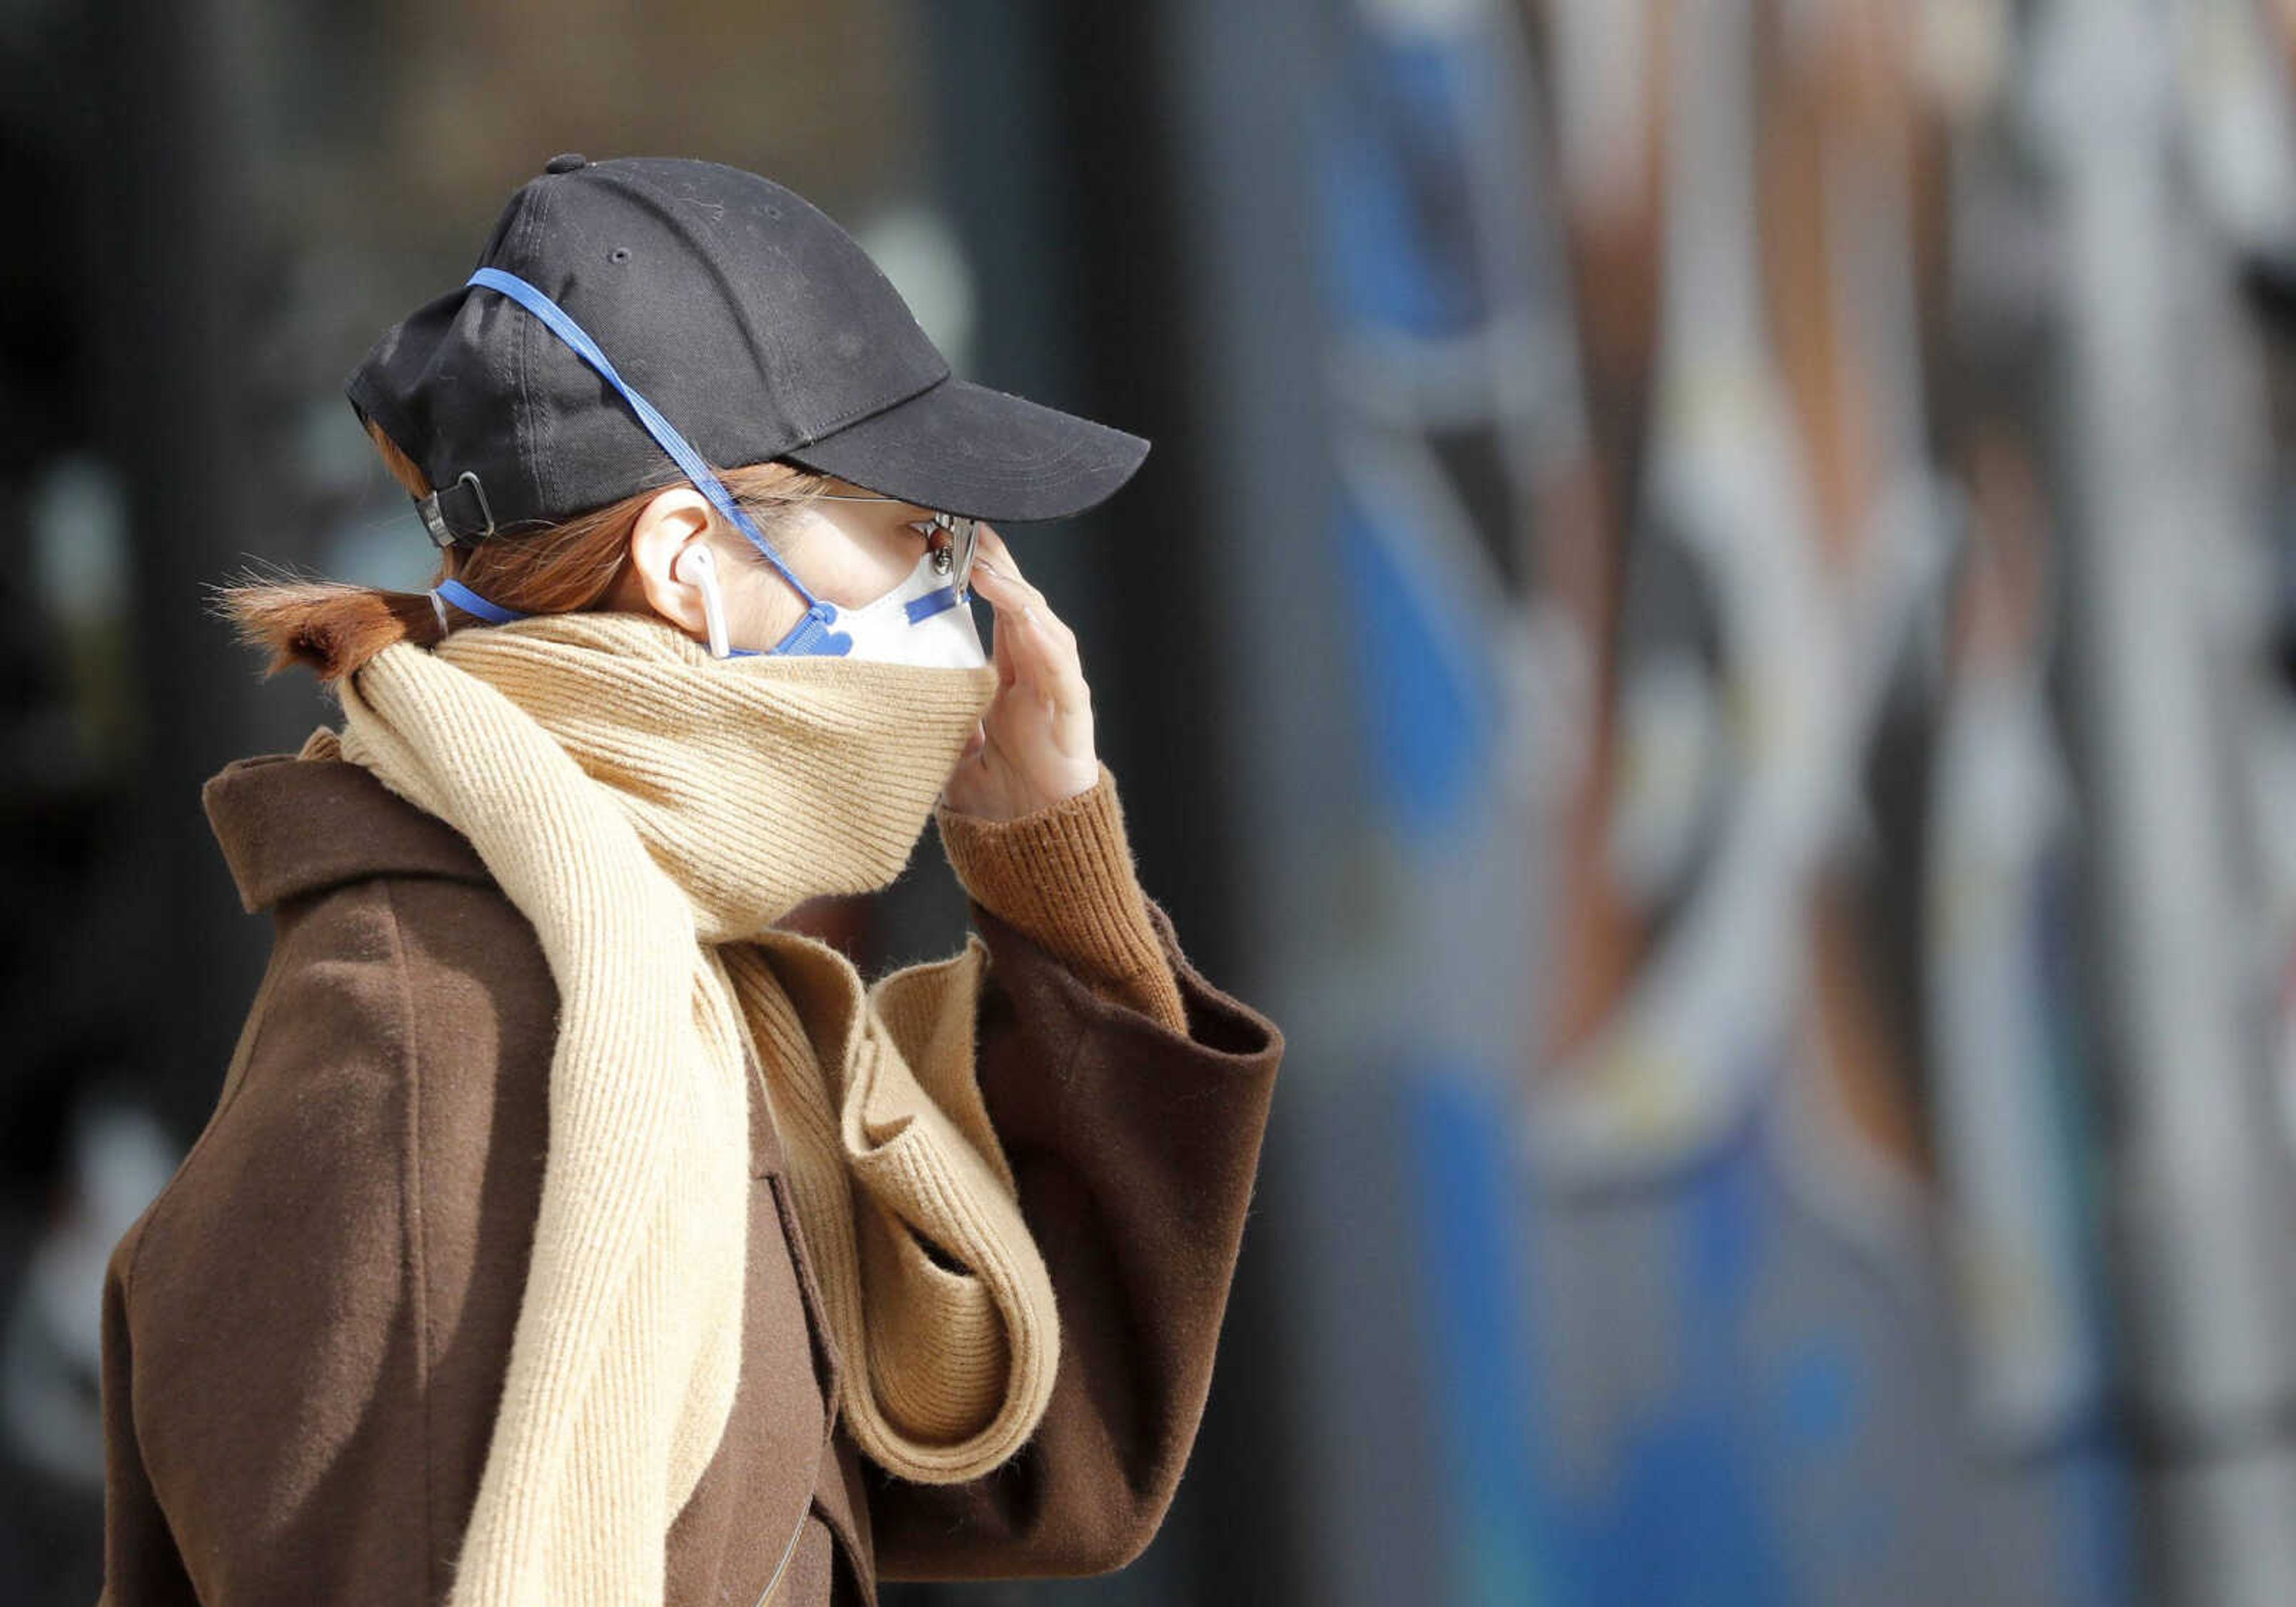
305, 1334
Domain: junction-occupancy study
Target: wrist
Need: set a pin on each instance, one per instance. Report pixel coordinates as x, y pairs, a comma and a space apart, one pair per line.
1062, 872
1004, 806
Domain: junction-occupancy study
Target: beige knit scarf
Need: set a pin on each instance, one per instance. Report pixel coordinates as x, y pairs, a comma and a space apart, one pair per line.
652, 810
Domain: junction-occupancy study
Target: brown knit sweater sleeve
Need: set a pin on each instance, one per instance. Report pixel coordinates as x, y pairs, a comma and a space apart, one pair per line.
1065, 876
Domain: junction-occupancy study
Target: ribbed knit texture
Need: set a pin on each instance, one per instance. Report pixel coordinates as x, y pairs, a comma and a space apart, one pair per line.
652, 811
1064, 875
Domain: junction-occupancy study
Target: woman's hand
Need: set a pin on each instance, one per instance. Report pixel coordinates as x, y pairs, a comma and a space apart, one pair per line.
1034, 746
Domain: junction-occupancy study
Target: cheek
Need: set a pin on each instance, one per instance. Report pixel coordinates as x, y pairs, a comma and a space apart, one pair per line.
863, 574
851, 566
760, 599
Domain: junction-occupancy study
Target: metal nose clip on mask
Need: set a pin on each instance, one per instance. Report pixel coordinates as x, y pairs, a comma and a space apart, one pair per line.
924, 620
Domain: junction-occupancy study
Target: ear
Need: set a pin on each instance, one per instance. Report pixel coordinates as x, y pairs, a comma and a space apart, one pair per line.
666, 528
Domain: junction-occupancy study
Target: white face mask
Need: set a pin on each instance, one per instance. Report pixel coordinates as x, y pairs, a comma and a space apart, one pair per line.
919, 621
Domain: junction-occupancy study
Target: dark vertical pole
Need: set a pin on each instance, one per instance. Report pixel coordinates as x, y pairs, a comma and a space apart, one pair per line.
1052, 159
1176, 679
1060, 158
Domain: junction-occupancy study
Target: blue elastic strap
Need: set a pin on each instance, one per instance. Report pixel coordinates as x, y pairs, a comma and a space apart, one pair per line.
814, 633
462, 597
931, 603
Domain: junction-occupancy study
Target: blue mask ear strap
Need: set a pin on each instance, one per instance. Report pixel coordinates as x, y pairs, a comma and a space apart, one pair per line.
813, 634
807, 631
462, 597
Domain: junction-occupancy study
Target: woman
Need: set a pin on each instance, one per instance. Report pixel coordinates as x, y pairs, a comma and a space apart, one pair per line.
569, 1229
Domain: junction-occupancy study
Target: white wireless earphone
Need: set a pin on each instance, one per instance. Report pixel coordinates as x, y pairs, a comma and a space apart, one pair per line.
703, 564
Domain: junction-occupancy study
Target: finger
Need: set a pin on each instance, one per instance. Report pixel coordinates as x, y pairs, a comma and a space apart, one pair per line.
1034, 667
1050, 664
1001, 565
1000, 646
1028, 620
1039, 651
1057, 707
1004, 593
1008, 568
1071, 701
1022, 647
1047, 655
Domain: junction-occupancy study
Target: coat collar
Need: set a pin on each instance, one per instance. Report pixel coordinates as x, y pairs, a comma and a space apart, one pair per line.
289, 826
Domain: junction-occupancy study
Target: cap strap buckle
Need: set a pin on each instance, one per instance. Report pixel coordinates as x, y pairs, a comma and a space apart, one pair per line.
442, 533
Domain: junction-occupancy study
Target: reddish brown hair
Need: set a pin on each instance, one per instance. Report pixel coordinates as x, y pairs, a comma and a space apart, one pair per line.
334, 626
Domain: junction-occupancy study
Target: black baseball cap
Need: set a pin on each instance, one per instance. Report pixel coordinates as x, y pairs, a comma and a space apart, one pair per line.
750, 319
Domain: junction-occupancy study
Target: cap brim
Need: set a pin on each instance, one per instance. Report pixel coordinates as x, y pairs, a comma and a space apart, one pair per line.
965, 448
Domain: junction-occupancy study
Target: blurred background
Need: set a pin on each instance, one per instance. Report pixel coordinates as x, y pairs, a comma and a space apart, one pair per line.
1711, 629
